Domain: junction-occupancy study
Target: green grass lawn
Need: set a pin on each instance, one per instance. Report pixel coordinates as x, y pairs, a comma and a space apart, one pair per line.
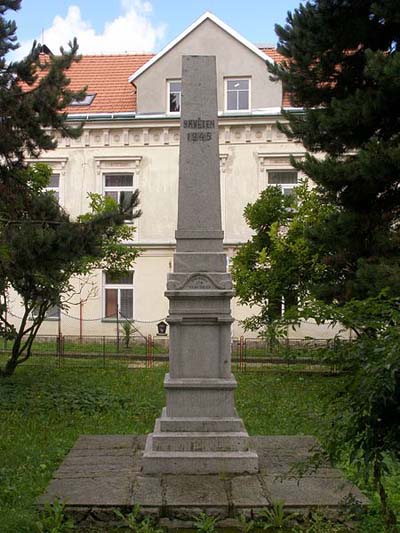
45, 408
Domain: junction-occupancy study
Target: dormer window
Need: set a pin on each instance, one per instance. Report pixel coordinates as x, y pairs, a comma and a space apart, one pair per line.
237, 94
86, 101
174, 96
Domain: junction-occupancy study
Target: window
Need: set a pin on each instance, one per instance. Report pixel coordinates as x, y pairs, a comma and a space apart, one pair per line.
120, 188
286, 179
54, 185
118, 295
174, 96
238, 94
86, 101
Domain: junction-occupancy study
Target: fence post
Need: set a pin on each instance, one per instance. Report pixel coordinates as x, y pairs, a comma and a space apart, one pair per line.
80, 321
149, 351
58, 350
117, 328
241, 353
104, 351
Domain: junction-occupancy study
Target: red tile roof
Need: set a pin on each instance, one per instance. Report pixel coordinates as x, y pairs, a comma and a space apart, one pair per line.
277, 57
107, 76
272, 53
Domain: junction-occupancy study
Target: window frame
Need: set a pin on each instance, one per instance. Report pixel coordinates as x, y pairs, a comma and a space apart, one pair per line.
118, 287
236, 78
283, 186
120, 188
169, 82
51, 188
86, 102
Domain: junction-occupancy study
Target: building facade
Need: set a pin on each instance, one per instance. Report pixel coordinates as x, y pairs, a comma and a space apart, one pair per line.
131, 140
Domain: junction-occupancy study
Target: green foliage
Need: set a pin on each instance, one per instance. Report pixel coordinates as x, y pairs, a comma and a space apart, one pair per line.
40, 247
318, 523
342, 65
53, 519
135, 522
44, 410
366, 410
280, 260
246, 525
276, 518
205, 523
128, 329
46, 249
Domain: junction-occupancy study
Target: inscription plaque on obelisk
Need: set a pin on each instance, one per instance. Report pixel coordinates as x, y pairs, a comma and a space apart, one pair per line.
199, 430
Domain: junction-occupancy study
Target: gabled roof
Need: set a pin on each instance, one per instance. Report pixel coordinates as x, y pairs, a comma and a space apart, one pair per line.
206, 16
106, 76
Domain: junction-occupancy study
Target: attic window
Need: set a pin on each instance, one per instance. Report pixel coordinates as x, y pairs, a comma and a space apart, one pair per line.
86, 101
237, 94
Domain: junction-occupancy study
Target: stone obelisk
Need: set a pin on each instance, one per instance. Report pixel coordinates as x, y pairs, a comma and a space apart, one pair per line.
199, 430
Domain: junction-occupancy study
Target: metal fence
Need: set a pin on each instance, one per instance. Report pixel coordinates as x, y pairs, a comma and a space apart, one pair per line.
147, 351
99, 351
315, 354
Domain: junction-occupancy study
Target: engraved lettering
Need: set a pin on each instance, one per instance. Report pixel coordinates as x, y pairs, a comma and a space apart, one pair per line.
199, 283
199, 125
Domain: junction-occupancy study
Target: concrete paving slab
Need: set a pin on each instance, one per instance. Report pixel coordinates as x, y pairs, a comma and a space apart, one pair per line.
95, 459
247, 491
92, 470
111, 476
196, 491
105, 441
311, 491
101, 452
113, 490
147, 491
285, 443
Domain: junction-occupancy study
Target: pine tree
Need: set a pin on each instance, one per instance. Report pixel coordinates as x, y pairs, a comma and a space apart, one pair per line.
41, 248
343, 68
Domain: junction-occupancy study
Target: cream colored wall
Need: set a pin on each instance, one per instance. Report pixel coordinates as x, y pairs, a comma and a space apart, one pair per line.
233, 60
149, 149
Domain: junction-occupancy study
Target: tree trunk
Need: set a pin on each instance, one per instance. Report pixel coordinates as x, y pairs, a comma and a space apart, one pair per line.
9, 368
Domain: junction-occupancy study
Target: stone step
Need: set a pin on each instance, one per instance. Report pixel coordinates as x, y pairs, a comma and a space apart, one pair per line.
198, 424
185, 462
200, 441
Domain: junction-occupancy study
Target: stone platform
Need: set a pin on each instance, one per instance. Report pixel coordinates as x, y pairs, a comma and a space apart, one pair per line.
104, 472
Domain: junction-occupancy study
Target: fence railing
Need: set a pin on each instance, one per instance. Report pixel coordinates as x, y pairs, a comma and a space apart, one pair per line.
313, 353
139, 350
93, 350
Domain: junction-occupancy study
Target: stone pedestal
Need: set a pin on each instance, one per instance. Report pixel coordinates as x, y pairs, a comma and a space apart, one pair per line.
199, 431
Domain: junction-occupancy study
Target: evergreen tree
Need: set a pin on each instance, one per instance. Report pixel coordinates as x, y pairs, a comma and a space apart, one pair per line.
343, 68
34, 94
41, 248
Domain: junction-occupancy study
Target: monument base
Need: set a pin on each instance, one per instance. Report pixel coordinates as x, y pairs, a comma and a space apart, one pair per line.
198, 446
104, 472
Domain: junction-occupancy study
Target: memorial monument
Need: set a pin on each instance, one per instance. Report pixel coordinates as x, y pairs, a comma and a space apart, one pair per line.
199, 430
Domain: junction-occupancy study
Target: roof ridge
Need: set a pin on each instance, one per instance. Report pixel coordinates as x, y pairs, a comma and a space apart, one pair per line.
122, 54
